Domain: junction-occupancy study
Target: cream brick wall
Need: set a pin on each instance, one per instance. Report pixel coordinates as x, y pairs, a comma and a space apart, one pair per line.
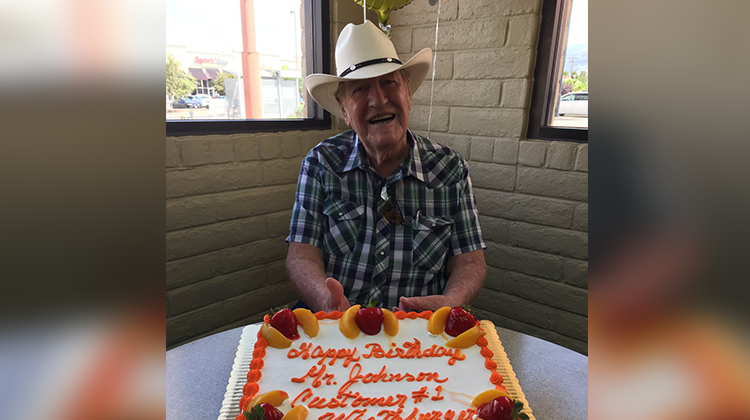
229, 201
532, 194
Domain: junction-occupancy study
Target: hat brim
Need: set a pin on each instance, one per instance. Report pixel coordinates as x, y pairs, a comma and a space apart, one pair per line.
322, 87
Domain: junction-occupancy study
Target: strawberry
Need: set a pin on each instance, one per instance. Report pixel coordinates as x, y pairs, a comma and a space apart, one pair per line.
286, 322
459, 320
369, 319
264, 411
502, 408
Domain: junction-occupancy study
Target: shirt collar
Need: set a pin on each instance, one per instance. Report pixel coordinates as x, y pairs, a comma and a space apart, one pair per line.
357, 158
413, 162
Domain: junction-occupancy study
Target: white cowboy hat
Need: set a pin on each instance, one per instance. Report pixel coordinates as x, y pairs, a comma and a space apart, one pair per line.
364, 51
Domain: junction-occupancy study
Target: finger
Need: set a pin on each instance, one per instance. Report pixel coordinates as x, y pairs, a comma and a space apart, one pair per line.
337, 291
422, 303
410, 303
335, 287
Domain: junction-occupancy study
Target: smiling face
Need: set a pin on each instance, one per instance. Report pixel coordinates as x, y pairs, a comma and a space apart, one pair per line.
378, 110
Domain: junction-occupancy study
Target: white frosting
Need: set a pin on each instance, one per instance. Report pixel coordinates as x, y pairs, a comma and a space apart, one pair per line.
465, 379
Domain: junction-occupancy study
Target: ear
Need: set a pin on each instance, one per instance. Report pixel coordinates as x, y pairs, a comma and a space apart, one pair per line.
346, 116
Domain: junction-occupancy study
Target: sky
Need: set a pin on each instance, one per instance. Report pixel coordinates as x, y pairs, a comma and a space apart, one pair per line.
578, 32
215, 25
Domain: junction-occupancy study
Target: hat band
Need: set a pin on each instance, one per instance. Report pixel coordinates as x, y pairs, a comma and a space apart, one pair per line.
369, 63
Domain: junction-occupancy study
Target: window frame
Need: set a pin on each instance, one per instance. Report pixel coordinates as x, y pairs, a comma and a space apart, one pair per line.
547, 71
317, 47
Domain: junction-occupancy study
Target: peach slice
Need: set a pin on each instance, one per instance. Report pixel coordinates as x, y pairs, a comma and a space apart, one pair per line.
347, 325
488, 396
308, 321
275, 398
436, 322
299, 412
390, 323
274, 337
466, 339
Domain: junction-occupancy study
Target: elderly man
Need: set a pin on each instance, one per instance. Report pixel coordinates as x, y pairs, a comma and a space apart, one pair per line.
381, 214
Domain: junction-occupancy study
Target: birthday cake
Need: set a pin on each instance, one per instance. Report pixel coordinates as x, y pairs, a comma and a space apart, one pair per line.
374, 364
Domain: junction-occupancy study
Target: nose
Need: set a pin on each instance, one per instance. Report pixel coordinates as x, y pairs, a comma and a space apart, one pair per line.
377, 96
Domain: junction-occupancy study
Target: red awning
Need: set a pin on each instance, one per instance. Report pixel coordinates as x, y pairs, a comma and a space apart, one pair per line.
198, 74
212, 73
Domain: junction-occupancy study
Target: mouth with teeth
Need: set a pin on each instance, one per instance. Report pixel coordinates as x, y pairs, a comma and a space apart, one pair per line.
382, 119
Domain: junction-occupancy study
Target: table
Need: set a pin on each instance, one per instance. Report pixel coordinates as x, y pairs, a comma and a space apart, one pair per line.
553, 378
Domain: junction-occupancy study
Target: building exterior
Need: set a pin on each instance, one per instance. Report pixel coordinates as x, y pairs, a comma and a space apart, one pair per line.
281, 78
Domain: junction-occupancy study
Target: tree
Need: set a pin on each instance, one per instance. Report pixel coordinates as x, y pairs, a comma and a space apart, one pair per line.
219, 82
579, 85
179, 83
566, 87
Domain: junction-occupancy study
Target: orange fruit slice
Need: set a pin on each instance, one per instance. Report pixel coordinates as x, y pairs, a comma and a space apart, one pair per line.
390, 323
274, 337
436, 323
466, 339
347, 325
308, 321
299, 412
488, 396
275, 398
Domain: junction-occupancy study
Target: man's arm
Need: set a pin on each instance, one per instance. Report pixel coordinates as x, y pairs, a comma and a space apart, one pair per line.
466, 273
304, 264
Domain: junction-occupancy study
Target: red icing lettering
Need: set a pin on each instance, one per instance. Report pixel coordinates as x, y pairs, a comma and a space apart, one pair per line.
437, 397
413, 350
318, 377
355, 375
305, 352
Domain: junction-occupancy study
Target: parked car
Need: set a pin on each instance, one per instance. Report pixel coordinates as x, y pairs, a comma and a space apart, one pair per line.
202, 99
575, 103
186, 103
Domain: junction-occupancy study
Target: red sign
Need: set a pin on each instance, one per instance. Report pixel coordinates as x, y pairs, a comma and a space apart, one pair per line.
203, 60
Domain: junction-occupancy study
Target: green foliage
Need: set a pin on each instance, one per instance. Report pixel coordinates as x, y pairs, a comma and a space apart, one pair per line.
219, 85
576, 83
179, 83
566, 87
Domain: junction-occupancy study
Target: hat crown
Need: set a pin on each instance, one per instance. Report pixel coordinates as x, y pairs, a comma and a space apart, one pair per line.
360, 43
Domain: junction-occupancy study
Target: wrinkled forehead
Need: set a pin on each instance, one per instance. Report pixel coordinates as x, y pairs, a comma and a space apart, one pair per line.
398, 74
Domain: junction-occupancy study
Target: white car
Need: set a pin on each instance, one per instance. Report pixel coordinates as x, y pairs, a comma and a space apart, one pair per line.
575, 103
203, 99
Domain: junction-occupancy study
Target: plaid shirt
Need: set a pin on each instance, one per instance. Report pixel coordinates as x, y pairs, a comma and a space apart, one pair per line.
338, 208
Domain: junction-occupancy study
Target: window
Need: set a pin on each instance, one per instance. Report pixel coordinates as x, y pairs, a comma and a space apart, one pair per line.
559, 104
238, 66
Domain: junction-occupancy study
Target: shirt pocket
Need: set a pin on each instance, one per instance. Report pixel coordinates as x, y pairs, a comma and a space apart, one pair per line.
431, 239
344, 223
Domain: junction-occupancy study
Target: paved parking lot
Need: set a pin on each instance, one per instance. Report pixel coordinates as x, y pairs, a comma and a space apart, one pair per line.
580, 122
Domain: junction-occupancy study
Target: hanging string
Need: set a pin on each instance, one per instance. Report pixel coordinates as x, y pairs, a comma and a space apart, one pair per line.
434, 61
364, 11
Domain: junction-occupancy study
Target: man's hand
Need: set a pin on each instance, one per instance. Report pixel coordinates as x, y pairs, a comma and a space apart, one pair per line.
339, 301
304, 263
424, 303
465, 279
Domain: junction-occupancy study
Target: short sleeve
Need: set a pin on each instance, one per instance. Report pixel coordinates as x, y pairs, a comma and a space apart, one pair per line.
467, 233
308, 224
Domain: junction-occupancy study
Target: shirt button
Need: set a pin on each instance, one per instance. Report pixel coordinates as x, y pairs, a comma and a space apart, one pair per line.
341, 213
433, 225
382, 252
